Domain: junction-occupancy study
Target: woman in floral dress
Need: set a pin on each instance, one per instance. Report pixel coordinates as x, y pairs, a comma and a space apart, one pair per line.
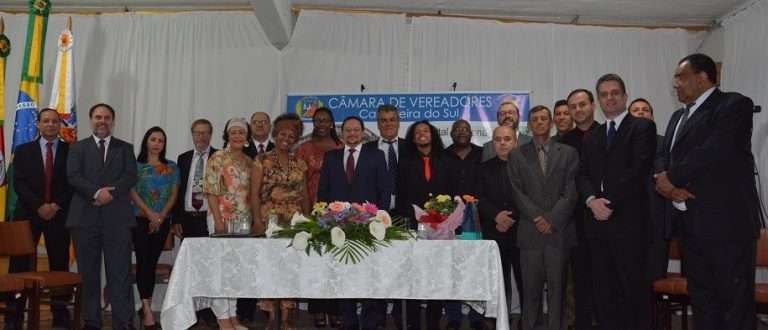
157, 187
324, 138
227, 186
278, 185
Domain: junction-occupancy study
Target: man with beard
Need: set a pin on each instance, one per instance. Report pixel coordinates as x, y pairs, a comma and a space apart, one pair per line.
507, 115
102, 170
582, 107
465, 157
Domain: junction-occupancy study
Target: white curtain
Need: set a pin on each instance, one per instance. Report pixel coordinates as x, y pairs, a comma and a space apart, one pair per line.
337, 52
549, 60
164, 70
745, 71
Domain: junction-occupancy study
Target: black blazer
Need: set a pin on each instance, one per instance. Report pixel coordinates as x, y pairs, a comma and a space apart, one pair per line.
400, 145
621, 169
575, 138
185, 166
413, 187
660, 224
370, 182
494, 191
253, 150
29, 180
713, 160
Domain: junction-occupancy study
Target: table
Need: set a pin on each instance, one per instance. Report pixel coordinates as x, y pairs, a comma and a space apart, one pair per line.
266, 268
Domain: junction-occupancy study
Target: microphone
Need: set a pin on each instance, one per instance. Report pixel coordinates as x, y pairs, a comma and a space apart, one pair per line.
454, 86
362, 88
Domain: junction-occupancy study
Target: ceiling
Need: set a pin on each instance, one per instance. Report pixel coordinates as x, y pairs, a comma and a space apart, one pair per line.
684, 13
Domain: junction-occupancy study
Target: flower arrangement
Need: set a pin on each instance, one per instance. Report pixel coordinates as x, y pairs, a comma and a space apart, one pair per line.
349, 231
442, 215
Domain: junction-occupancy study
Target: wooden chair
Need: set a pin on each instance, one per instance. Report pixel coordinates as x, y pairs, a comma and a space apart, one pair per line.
13, 286
761, 289
16, 240
672, 290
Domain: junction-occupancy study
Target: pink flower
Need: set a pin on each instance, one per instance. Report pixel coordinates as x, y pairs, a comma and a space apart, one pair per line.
370, 208
336, 207
358, 207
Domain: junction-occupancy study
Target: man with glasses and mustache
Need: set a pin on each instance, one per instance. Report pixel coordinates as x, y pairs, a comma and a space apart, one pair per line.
507, 115
259, 142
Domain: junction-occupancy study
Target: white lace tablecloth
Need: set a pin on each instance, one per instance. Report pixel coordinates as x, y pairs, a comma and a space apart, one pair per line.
265, 268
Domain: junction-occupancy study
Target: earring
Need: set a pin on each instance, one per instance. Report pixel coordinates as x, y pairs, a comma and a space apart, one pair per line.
247, 144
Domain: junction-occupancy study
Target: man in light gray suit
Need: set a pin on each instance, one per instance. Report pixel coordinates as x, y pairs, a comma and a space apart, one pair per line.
507, 115
102, 170
543, 174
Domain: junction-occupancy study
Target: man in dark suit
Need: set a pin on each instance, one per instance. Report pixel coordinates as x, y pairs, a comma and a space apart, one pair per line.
40, 182
190, 210
355, 174
659, 225
102, 170
506, 115
259, 142
543, 177
616, 160
710, 180
388, 122
498, 214
581, 103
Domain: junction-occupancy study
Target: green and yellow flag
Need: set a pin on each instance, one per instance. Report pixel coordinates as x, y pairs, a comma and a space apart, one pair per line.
5, 49
25, 129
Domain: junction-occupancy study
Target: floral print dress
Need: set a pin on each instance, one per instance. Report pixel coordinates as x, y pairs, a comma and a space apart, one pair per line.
155, 184
229, 178
281, 190
312, 155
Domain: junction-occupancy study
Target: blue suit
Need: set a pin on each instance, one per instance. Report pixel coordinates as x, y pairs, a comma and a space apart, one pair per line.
370, 182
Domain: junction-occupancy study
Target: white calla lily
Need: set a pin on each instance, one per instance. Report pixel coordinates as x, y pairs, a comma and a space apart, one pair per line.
272, 229
298, 217
378, 230
338, 237
384, 217
301, 240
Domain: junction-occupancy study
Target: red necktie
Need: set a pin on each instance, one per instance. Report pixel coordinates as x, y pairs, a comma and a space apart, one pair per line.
350, 166
261, 148
427, 168
48, 171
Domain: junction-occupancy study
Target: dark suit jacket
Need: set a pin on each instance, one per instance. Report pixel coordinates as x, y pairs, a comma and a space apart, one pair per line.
370, 182
622, 170
713, 160
413, 187
87, 173
253, 150
29, 180
551, 194
185, 167
400, 145
575, 139
660, 225
495, 195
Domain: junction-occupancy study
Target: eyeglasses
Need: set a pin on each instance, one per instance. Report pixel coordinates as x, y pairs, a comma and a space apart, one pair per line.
507, 113
460, 129
260, 122
200, 134
680, 76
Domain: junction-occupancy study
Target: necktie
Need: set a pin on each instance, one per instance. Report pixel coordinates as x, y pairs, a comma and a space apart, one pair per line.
611, 133
427, 168
683, 119
48, 171
261, 148
543, 160
102, 149
197, 183
392, 164
350, 166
